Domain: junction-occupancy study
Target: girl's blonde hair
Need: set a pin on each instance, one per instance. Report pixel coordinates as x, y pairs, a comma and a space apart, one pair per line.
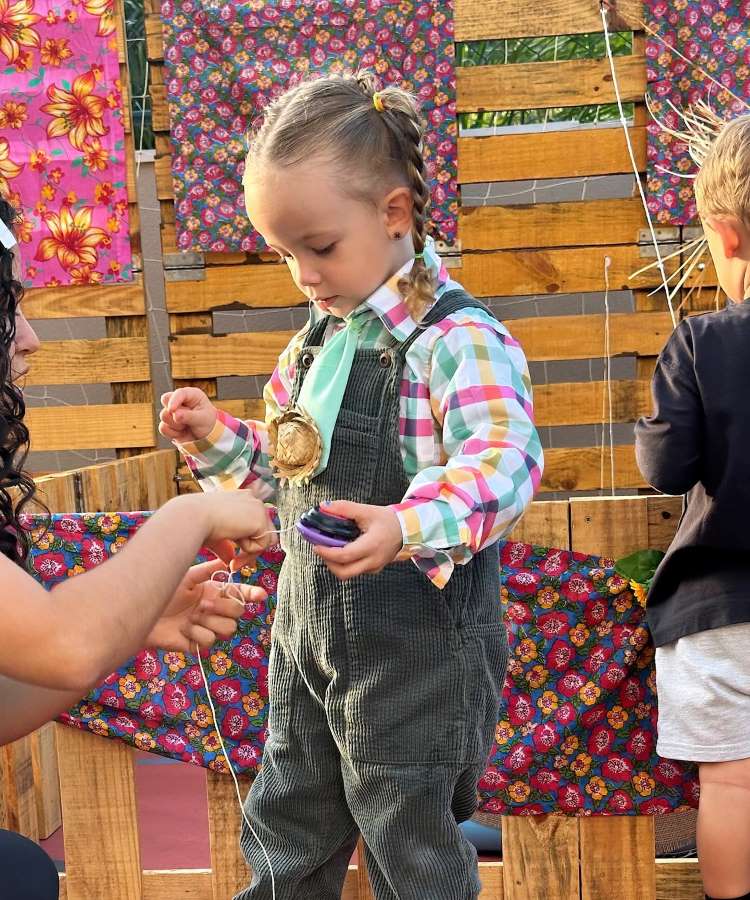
375, 136
722, 186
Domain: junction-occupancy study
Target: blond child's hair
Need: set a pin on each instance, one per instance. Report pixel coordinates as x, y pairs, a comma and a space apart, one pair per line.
722, 186
376, 138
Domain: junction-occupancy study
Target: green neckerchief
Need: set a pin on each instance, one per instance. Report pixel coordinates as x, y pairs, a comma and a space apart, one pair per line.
324, 385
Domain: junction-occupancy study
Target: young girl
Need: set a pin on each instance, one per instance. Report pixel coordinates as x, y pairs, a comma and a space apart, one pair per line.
408, 404
696, 442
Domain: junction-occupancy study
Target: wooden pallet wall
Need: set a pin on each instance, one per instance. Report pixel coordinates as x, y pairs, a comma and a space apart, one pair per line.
539, 249
121, 358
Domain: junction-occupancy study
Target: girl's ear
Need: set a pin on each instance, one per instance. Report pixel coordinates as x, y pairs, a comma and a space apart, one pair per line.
728, 231
398, 206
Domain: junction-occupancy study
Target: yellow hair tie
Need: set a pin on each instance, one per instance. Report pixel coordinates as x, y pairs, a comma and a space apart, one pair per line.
377, 102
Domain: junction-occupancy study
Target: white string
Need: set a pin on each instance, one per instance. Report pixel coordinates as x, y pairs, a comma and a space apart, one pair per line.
624, 123
224, 749
608, 378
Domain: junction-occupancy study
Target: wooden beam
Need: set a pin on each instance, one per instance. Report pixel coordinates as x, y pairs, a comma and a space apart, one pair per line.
557, 271
542, 338
588, 469
549, 225
85, 302
477, 20
90, 362
539, 85
91, 427
549, 154
587, 403
98, 804
260, 285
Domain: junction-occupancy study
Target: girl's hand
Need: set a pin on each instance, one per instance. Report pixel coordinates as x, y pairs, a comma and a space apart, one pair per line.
187, 415
200, 611
379, 544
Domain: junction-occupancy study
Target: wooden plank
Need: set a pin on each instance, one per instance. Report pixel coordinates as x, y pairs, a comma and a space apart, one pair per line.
611, 527
264, 285
85, 302
545, 522
154, 38
477, 20
580, 469
205, 356
58, 491
539, 85
564, 271
143, 482
91, 427
18, 807
229, 871
587, 403
46, 780
131, 390
90, 362
546, 225
678, 879
98, 804
364, 890
491, 876
663, 517
540, 856
244, 409
549, 154
582, 336
196, 356
172, 884
618, 850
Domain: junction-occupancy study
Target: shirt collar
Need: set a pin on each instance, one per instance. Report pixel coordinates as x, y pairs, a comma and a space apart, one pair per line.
388, 304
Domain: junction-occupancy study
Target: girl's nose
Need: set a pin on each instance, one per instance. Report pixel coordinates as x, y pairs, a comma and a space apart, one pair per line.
307, 275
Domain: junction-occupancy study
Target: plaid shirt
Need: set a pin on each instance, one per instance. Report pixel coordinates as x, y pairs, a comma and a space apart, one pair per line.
467, 434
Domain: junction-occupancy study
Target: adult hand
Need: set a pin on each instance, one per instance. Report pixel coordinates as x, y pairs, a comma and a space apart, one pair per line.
379, 544
201, 611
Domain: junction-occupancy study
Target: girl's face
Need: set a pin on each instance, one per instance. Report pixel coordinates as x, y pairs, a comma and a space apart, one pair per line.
26, 342
339, 249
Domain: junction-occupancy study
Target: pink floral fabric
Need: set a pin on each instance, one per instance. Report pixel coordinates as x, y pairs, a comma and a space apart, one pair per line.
226, 61
578, 725
62, 150
713, 35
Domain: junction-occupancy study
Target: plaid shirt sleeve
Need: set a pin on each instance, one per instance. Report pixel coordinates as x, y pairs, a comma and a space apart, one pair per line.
481, 398
236, 454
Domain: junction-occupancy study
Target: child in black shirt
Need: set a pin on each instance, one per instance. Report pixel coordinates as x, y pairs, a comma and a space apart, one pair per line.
697, 442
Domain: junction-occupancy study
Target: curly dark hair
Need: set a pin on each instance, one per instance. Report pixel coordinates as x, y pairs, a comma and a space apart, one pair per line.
16, 486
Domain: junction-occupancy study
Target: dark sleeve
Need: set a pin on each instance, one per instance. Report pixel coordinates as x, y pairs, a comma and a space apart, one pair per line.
669, 442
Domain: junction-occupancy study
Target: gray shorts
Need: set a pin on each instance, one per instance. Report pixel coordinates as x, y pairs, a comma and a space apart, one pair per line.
703, 682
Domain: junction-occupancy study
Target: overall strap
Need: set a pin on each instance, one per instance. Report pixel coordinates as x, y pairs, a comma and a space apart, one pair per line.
449, 303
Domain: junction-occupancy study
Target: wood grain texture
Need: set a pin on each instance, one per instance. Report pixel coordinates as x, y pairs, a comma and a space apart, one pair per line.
618, 853
98, 805
92, 426
229, 871
554, 154
46, 780
90, 362
85, 302
580, 469
539, 85
477, 20
540, 855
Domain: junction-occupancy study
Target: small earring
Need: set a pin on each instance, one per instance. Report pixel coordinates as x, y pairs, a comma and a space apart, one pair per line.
396, 236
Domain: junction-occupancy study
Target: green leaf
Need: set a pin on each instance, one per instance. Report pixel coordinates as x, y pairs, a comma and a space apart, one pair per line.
34, 82
639, 566
77, 162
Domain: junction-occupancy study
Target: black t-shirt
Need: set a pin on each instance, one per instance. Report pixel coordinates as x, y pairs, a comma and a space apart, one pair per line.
697, 442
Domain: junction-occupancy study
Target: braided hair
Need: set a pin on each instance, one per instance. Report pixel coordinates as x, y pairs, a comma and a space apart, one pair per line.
16, 487
336, 115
